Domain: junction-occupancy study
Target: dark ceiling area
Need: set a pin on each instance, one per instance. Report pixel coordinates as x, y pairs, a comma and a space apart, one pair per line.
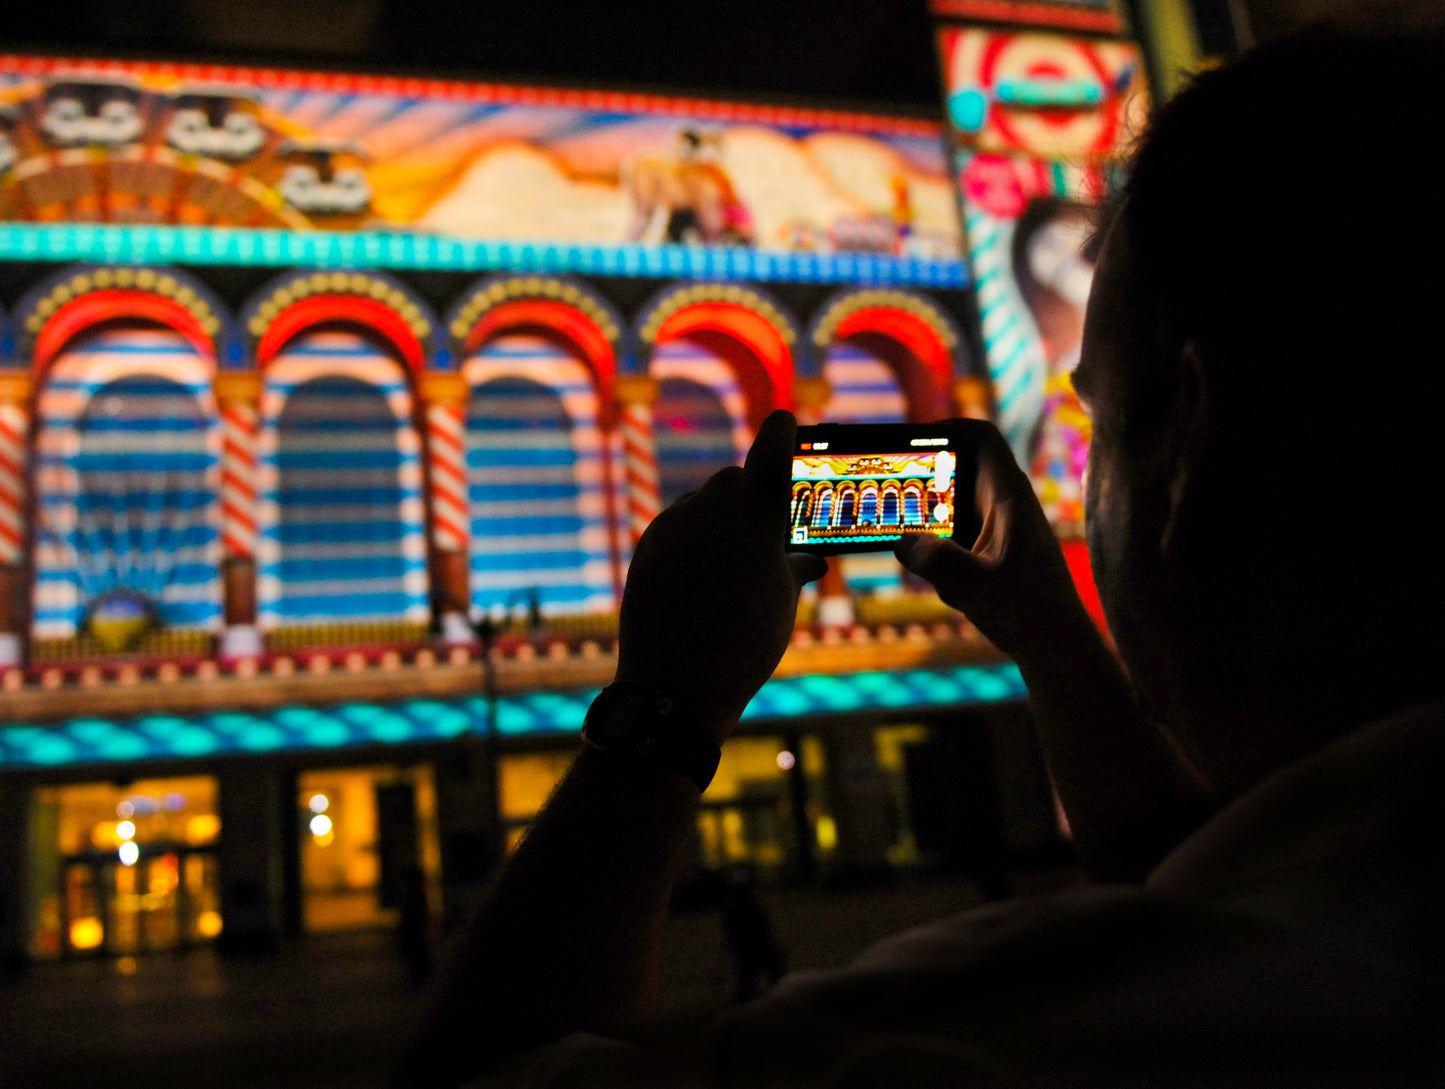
871, 52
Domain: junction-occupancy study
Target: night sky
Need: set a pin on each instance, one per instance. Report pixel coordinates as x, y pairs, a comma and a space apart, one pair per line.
869, 52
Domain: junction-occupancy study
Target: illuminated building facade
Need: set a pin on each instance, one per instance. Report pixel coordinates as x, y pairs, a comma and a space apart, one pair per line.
302, 373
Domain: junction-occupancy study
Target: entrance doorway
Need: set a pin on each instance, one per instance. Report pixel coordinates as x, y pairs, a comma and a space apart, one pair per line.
119, 870
369, 849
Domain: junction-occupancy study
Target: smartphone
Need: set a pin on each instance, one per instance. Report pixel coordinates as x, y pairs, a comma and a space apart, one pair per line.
863, 487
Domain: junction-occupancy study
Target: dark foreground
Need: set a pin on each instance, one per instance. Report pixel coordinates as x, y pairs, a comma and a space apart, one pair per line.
335, 1011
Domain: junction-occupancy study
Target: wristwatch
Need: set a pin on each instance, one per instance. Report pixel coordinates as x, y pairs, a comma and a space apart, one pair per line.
630, 720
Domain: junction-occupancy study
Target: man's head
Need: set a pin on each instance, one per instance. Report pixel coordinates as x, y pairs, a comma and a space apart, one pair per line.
1263, 359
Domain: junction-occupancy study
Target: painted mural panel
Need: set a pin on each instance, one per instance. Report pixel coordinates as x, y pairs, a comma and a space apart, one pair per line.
141, 143
1040, 122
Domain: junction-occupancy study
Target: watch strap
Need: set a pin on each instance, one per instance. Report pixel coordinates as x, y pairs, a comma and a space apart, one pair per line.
654, 733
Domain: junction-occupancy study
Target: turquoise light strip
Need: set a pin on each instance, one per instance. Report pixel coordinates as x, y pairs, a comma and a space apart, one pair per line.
171, 737
147, 245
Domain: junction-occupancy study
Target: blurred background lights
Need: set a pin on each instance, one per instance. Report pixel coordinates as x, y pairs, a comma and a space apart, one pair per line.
786, 760
320, 825
208, 924
318, 804
125, 810
125, 829
86, 933
129, 853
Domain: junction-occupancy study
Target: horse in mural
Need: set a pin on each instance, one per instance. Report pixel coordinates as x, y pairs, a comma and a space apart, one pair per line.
686, 196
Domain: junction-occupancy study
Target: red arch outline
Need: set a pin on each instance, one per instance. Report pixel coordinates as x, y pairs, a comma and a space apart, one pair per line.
108, 304
744, 325
909, 330
571, 323
320, 309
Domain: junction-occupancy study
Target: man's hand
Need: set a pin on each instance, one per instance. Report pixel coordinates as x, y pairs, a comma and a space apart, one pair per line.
1128, 795
1013, 584
711, 594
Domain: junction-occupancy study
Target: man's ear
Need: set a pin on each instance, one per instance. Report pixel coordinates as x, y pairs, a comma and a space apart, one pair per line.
1190, 428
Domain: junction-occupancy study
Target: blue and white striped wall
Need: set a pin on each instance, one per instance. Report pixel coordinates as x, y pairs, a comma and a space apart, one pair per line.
700, 421
126, 477
342, 518
535, 479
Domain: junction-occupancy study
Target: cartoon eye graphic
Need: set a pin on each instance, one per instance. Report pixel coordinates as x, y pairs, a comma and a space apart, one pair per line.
299, 179
65, 109
244, 135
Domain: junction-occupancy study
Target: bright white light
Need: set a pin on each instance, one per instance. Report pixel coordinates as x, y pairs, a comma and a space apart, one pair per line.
786, 760
319, 803
125, 829
129, 853
125, 809
320, 825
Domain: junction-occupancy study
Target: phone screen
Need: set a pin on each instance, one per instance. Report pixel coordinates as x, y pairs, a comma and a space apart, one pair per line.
863, 488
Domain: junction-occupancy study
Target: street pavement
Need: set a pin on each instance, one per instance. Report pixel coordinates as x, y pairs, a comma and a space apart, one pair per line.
335, 1012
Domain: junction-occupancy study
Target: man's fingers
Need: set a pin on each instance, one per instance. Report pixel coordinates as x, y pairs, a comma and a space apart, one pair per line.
807, 567
768, 471
951, 568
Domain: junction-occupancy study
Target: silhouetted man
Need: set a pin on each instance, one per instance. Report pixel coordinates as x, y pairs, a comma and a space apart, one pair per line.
1264, 372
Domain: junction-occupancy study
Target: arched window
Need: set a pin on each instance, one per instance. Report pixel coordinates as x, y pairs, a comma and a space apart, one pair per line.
888, 516
523, 491
868, 505
847, 508
341, 526
700, 418
802, 504
125, 475
864, 387
142, 509
693, 431
913, 504
823, 512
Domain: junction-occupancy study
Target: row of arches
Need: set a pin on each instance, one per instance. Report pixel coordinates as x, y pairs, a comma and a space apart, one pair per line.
135, 464
780, 343
825, 504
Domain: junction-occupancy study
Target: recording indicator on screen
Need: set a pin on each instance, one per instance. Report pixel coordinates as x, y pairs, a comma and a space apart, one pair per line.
849, 499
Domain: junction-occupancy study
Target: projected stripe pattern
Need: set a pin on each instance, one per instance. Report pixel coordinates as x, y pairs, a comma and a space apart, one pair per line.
535, 479
99, 740
239, 426
12, 482
863, 387
446, 429
639, 460
340, 478
865, 390
126, 467
700, 419
1015, 355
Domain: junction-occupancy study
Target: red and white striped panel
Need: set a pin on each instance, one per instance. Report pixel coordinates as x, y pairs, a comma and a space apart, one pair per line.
445, 428
12, 482
240, 424
639, 460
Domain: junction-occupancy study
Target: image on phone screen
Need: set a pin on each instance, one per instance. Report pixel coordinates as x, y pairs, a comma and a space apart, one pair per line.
856, 500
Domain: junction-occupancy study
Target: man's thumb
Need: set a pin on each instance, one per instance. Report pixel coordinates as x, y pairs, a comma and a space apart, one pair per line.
951, 568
